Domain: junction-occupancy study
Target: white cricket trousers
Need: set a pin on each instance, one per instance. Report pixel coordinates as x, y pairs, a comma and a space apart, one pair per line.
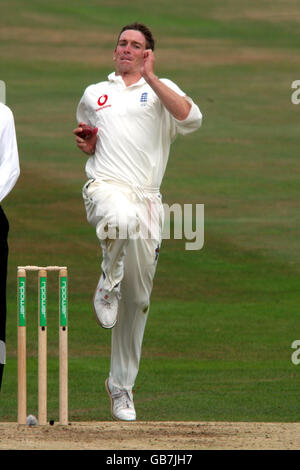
128, 223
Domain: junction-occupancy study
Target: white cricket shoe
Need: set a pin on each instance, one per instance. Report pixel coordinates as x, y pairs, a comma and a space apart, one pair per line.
106, 304
121, 401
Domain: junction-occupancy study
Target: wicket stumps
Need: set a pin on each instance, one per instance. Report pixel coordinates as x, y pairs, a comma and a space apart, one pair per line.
42, 343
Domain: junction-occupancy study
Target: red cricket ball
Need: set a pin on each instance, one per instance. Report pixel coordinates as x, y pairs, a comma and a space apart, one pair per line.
87, 131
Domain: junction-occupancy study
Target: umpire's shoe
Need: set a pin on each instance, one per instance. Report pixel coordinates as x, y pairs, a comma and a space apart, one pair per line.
106, 304
121, 401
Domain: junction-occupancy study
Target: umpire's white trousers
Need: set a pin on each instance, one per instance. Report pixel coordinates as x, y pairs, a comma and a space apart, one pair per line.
116, 211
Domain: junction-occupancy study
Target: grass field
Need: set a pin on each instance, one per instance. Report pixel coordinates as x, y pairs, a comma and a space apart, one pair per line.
218, 342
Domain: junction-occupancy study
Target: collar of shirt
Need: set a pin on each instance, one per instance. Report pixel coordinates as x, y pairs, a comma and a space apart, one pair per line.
112, 77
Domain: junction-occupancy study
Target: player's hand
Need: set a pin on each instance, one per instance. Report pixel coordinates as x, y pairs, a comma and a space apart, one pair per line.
86, 138
147, 69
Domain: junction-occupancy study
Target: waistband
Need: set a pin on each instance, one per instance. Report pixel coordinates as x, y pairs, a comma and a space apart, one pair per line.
141, 191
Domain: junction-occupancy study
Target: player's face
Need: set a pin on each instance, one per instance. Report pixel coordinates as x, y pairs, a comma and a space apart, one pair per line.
129, 53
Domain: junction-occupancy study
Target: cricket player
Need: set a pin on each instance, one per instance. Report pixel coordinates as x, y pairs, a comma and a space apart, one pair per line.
9, 173
133, 117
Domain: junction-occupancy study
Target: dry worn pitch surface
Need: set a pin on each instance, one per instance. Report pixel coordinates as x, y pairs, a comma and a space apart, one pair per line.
151, 435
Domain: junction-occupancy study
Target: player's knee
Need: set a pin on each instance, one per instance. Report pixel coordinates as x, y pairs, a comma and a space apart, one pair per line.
140, 302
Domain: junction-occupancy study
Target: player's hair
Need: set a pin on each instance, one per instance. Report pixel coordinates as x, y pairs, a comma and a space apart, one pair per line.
144, 30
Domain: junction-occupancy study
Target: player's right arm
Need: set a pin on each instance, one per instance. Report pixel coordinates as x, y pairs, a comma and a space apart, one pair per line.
87, 144
85, 117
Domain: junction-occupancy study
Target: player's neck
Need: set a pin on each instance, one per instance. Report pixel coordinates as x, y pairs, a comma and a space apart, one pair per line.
130, 78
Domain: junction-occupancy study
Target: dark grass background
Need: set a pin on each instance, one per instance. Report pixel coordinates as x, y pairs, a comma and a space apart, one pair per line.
218, 341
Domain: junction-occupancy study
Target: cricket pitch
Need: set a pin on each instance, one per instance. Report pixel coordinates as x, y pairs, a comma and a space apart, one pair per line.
151, 436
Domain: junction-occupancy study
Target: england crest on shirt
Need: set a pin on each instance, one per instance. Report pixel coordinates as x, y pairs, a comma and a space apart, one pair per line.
144, 98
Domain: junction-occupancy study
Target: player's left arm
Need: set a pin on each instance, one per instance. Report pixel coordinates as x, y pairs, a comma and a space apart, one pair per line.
177, 105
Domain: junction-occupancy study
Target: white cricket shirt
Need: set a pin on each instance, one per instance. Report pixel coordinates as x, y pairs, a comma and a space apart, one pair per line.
135, 130
9, 157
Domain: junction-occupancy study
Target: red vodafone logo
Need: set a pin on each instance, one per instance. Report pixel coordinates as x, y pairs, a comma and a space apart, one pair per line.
102, 100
